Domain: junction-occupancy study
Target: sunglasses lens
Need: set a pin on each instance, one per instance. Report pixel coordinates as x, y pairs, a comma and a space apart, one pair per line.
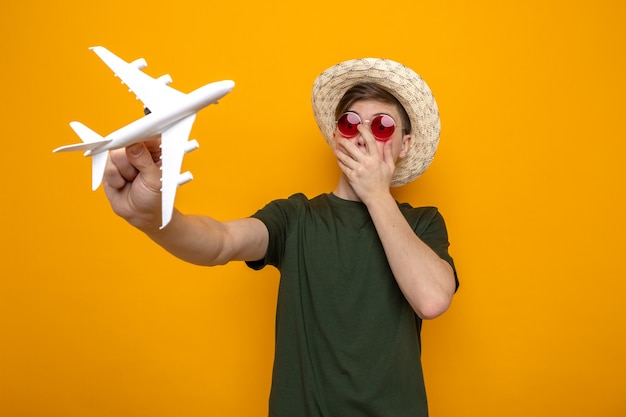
347, 124
383, 127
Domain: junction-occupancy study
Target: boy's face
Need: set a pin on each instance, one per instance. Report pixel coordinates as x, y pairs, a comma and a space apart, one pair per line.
367, 111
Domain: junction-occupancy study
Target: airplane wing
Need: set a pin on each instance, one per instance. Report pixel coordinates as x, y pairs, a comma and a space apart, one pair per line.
173, 146
154, 93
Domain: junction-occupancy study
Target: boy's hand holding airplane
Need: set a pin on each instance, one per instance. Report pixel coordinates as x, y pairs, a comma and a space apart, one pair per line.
132, 183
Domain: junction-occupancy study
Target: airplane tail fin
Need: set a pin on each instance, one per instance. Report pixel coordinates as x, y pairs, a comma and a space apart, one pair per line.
91, 141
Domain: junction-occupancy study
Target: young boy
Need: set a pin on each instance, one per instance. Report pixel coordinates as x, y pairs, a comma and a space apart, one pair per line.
359, 271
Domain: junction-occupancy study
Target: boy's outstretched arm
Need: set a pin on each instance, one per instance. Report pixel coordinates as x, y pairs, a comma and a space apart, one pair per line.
132, 183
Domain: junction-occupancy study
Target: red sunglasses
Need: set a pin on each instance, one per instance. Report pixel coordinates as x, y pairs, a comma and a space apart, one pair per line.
382, 126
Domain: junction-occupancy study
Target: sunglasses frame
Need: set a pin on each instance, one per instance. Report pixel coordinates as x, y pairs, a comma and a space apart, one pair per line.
378, 118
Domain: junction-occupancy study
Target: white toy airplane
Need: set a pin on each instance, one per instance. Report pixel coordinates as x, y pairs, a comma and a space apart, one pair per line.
171, 114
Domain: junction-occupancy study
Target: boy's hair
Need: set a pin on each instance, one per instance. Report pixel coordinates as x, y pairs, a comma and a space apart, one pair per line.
371, 91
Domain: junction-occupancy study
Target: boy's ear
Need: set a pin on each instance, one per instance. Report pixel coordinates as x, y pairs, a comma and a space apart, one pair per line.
406, 145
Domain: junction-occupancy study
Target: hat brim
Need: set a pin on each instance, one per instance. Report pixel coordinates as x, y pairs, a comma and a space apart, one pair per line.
406, 85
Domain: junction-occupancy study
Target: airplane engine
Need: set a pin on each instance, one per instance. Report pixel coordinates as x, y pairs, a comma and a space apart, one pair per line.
184, 178
191, 145
165, 79
139, 63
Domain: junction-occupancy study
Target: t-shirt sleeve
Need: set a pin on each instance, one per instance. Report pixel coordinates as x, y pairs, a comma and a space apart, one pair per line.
276, 216
430, 227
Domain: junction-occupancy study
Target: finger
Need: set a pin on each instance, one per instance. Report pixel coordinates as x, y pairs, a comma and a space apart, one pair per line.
346, 153
388, 153
140, 158
119, 170
349, 148
154, 147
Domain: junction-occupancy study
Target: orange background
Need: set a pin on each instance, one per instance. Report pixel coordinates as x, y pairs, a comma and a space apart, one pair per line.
95, 320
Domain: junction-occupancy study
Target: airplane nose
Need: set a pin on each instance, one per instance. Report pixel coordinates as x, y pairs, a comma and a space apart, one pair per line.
227, 85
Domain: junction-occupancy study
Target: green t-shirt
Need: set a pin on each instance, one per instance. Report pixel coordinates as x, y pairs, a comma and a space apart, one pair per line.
347, 341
